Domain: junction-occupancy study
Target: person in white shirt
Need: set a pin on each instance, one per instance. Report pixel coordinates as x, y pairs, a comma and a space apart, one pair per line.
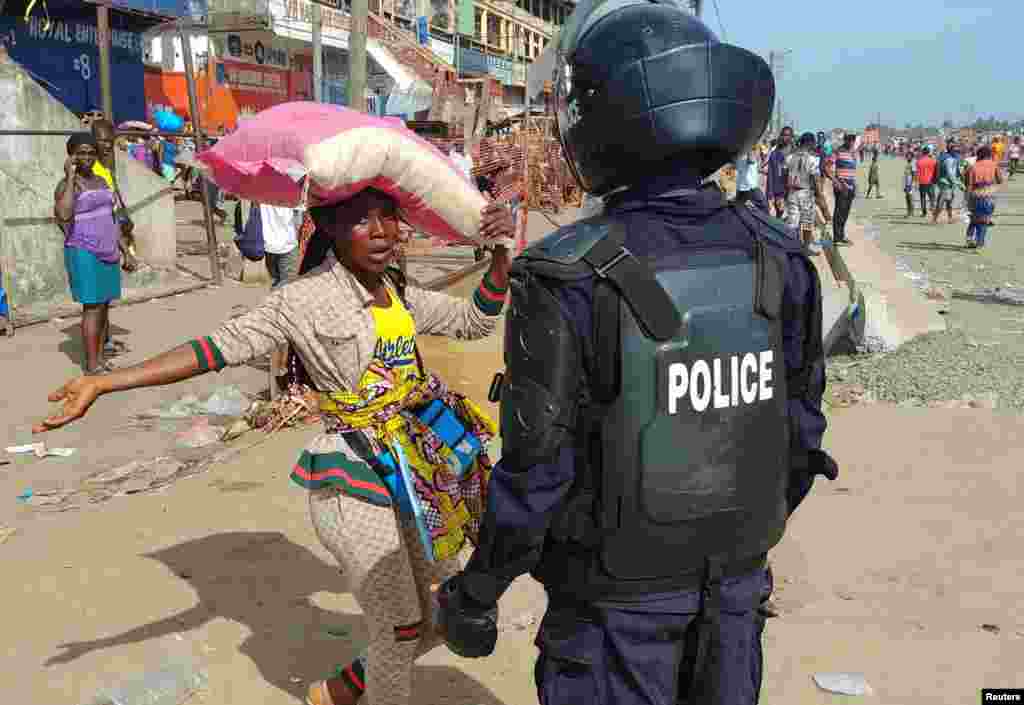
280, 242
748, 180
283, 258
1015, 152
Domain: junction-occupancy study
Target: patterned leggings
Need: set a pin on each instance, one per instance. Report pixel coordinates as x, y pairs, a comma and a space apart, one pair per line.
390, 578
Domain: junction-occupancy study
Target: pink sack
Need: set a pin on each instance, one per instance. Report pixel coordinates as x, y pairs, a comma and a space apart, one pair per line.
343, 152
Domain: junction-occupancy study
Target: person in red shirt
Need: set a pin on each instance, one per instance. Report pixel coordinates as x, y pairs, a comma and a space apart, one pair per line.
927, 168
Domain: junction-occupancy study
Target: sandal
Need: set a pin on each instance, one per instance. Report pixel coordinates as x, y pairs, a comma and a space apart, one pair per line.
115, 347
106, 367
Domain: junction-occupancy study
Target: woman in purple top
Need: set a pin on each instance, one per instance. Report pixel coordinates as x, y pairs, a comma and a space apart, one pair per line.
84, 207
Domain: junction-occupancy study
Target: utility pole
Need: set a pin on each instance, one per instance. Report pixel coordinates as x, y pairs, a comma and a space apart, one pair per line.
318, 53
103, 29
193, 107
775, 62
357, 55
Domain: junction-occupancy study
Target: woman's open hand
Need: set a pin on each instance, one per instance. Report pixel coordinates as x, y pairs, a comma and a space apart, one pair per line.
77, 395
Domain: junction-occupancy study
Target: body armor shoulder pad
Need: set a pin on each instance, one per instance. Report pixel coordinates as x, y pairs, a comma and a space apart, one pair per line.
775, 231
560, 254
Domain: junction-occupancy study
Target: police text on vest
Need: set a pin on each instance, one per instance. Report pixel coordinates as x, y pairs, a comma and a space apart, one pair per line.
750, 380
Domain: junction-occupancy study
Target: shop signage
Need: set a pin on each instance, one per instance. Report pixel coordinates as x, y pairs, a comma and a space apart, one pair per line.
65, 58
167, 8
80, 33
256, 50
249, 77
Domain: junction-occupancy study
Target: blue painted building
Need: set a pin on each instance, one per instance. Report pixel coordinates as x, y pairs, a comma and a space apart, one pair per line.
61, 52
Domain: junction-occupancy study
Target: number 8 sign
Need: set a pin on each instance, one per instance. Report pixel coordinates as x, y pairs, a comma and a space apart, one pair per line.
82, 65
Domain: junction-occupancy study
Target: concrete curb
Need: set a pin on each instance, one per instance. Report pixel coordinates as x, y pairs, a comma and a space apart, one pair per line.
878, 307
67, 310
842, 305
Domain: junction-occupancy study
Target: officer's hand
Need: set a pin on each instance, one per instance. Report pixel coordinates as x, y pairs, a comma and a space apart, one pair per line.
469, 629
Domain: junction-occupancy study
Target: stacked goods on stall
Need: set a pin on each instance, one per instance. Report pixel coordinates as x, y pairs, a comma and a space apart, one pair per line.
550, 185
500, 159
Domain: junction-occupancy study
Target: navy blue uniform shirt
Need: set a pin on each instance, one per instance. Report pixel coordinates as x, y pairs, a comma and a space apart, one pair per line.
660, 216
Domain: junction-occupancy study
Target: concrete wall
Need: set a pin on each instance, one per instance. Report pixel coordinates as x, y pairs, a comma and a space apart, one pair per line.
31, 167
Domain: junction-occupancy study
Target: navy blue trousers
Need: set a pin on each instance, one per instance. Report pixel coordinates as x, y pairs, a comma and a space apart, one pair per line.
646, 653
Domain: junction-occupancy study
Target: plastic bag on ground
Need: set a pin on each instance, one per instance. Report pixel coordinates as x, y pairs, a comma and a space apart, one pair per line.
199, 434
227, 401
173, 682
188, 405
843, 683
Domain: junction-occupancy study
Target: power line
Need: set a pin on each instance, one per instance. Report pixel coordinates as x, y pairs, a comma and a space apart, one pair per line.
720, 24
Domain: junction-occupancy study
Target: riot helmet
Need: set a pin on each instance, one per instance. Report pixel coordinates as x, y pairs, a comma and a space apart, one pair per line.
641, 84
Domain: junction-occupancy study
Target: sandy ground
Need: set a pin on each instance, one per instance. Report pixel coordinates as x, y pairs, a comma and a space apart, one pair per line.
938, 252
891, 571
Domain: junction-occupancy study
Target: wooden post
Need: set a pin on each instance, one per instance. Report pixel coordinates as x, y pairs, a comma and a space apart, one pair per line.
6, 276
103, 30
318, 54
524, 205
357, 56
193, 106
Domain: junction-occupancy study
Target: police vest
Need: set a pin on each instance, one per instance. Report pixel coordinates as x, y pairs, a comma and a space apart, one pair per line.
683, 448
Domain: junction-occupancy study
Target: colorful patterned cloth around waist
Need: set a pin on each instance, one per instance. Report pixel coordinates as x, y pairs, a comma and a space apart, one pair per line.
381, 418
983, 189
982, 207
93, 228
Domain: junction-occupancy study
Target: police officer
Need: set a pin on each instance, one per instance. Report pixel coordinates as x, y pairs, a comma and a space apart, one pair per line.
661, 404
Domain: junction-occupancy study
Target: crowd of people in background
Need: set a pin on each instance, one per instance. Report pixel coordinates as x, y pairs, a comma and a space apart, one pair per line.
811, 184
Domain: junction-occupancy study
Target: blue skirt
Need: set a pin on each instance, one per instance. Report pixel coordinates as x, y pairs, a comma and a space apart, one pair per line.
92, 281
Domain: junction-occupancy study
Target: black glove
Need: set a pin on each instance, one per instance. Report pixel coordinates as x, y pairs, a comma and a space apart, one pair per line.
821, 463
469, 628
815, 462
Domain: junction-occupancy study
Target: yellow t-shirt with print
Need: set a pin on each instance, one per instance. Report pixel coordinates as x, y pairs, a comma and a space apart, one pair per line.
396, 343
104, 173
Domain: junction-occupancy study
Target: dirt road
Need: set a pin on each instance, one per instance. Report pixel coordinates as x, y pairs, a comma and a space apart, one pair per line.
907, 569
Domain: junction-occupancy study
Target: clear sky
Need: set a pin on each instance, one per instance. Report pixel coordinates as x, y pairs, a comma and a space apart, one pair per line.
917, 61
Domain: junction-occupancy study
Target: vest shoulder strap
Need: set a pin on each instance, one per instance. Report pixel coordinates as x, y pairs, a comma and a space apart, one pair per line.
596, 247
798, 382
769, 265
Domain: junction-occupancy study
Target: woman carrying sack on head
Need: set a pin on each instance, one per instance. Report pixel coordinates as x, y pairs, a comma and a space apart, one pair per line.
397, 480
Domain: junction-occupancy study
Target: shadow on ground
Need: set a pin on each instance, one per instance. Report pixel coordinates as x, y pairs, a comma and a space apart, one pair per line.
72, 347
932, 246
264, 582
